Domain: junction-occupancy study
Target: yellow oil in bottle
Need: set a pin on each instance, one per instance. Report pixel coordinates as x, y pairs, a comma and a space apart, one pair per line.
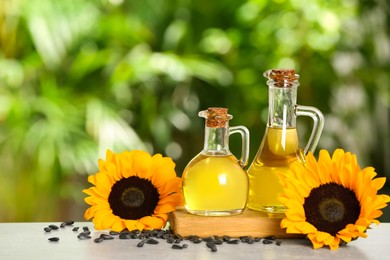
279, 149
215, 185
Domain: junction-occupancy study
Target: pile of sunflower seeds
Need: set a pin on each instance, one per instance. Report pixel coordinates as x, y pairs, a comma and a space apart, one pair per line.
152, 237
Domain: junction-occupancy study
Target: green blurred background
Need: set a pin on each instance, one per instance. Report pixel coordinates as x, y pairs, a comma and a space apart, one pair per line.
78, 77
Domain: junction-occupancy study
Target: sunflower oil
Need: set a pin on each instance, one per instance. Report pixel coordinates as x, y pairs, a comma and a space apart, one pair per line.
214, 181
215, 185
280, 145
279, 149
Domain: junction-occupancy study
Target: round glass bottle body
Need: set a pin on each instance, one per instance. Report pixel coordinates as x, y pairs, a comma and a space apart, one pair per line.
214, 181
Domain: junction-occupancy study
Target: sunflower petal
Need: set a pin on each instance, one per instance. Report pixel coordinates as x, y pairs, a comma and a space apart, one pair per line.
89, 213
295, 216
141, 162
164, 216
316, 244
108, 220
293, 229
170, 186
92, 191
175, 199
333, 243
152, 222
91, 200
163, 171
118, 225
103, 183
99, 216
92, 179
338, 156
131, 224
164, 208
379, 182
127, 169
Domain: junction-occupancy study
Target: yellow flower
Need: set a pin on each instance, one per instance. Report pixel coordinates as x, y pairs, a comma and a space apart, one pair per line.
133, 190
333, 201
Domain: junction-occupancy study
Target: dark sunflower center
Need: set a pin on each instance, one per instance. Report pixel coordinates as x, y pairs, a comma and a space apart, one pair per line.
330, 207
332, 210
133, 198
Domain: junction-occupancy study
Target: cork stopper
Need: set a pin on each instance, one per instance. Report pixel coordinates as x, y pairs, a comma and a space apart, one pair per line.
216, 117
282, 77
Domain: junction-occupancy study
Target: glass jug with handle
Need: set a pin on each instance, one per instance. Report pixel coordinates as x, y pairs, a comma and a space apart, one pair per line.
214, 181
280, 145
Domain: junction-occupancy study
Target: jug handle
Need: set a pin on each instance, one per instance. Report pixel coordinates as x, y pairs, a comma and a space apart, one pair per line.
244, 143
318, 119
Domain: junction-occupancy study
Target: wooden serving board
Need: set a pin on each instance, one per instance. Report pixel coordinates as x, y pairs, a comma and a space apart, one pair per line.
248, 223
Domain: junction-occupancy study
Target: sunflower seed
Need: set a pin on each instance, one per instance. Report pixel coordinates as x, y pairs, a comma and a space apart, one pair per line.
54, 239
75, 229
83, 236
209, 239
135, 231
257, 239
98, 240
62, 225
170, 240
185, 245
278, 243
54, 227
85, 228
166, 236
267, 241
47, 229
160, 234
177, 236
250, 240
124, 235
114, 233
69, 222
176, 246
151, 241
270, 238
233, 241
247, 239
212, 246
106, 237
218, 241
226, 238
146, 234
141, 244
85, 233
196, 240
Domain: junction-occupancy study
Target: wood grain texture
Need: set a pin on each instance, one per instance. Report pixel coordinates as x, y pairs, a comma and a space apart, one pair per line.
249, 223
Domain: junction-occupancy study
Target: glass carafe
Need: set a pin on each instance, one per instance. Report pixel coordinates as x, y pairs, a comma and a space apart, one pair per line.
280, 145
214, 181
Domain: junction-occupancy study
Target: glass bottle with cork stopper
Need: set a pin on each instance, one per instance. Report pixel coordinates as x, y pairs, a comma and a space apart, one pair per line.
280, 145
214, 181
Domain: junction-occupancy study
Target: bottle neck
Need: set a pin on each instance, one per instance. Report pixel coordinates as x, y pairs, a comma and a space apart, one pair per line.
282, 102
216, 140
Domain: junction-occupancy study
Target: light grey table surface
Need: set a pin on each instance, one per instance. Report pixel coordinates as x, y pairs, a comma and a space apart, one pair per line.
30, 241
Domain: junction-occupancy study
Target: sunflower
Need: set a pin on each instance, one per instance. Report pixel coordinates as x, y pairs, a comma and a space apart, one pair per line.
133, 190
332, 201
